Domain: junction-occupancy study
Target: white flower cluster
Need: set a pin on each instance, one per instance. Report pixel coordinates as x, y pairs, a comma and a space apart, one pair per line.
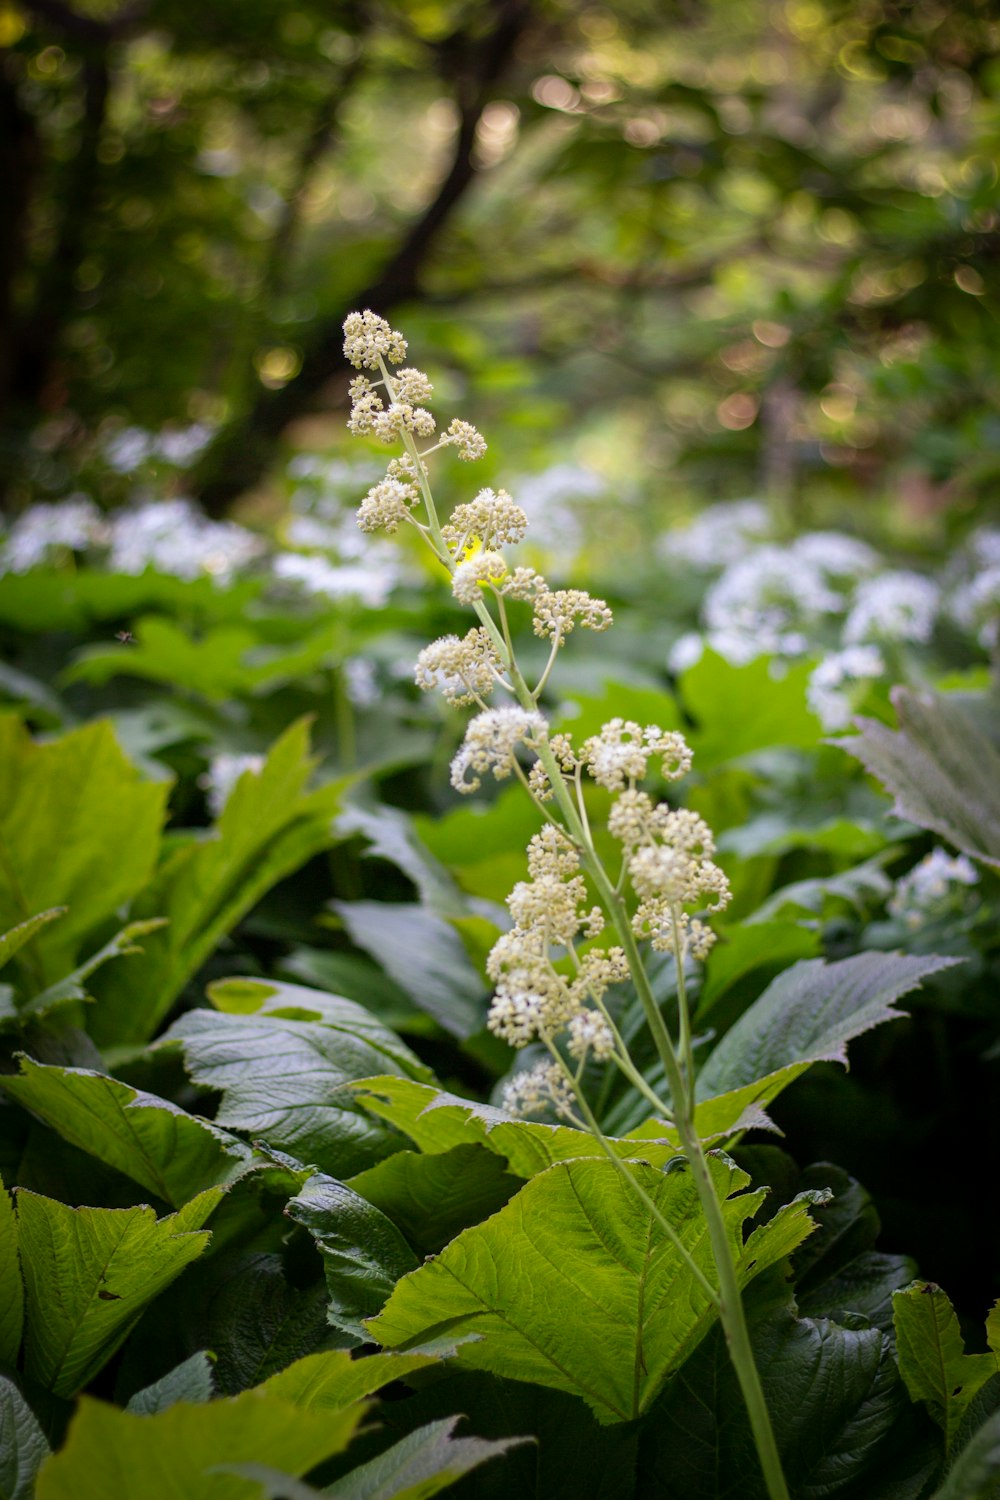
369, 339
896, 606
974, 603
830, 691
491, 742
320, 577
172, 536
489, 521
719, 535
533, 999
74, 525
669, 858
622, 751
762, 601
462, 670
932, 888
536, 1089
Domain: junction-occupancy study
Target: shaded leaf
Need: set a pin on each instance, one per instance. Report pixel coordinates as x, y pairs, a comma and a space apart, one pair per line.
423, 953
154, 1142
11, 1287
282, 1078
932, 1357
11, 942
833, 1394
72, 988
573, 1284
363, 1252
420, 1465
807, 1015
22, 1444
975, 1474
940, 766
89, 1272
432, 1197
739, 709
744, 949
190, 1381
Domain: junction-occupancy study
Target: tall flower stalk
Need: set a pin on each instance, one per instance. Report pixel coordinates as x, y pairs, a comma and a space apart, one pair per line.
553, 968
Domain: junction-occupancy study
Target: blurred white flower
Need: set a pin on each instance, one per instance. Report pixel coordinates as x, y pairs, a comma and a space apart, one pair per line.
371, 583
361, 681
836, 555
897, 606
75, 523
172, 536
932, 888
720, 535
829, 692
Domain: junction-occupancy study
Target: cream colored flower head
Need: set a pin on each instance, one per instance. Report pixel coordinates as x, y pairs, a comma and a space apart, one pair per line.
369, 338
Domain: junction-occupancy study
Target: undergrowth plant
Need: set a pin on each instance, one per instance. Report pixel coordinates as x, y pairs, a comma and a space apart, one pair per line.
553, 969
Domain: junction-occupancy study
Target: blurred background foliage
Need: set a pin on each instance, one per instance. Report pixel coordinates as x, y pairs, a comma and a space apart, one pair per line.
704, 250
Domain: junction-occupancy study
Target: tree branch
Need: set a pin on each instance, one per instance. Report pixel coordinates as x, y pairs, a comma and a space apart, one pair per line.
241, 452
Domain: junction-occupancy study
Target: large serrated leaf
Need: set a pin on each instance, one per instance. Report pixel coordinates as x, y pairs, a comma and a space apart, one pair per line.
281, 1064
177, 1454
940, 766
808, 1015
432, 1197
88, 1274
932, 1357
256, 1322
269, 827
574, 1285
833, 1394
192, 1380
11, 1287
363, 1252
79, 829
173, 1154
418, 1466
975, 1474
22, 1444
437, 1121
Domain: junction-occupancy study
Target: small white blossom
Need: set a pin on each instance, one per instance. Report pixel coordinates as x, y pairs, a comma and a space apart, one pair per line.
537, 1089
836, 555
899, 606
412, 387
491, 741
720, 535
559, 611
462, 670
761, 602
387, 504
623, 749
463, 436
475, 573
931, 888
320, 577
829, 691
589, 1032
491, 520
367, 338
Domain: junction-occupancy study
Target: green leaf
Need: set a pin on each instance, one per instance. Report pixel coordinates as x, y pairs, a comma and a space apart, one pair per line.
808, 1015
72, 988
190, 1381
739, 709
256, 1322
431, 1198
269, 827
416, 1467
282, 1078
11, 1286
932, 1357
857, 888
88, 1274
833, 1394
13, 941
363, 1252
78, 828
778, 833
744, 949
177, 1454
483, 843
423, 953
22, 1444
975, 1474
334, 1380
940, 766
574, 1285
437, 1121
156, 1143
